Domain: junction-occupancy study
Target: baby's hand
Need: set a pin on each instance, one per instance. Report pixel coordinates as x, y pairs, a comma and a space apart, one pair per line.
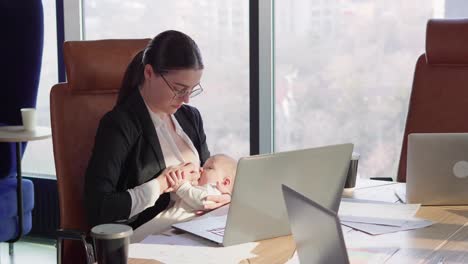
176, 179
222, 188
191, 172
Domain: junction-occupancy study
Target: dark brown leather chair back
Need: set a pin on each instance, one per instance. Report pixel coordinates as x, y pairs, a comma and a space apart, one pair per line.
94, 71
439, 99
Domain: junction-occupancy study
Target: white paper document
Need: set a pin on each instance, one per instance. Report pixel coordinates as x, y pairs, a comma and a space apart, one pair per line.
294, 259
374, 229
192, 254
345, 229
360, 255
373, 220
400, 193
184, 239
378, 210
380, 218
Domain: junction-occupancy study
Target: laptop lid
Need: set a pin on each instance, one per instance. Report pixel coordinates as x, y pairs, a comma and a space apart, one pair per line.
257, 209
437, 168
316, 230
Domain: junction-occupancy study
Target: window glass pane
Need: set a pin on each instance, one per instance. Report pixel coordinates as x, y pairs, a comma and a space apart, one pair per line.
39, 156
344, 71
220, 29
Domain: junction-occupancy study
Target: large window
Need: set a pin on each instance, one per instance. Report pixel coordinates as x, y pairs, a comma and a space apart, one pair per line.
344, 71
39, 158
220, 28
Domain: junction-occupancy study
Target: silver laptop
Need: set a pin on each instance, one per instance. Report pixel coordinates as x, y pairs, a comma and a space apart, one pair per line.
316, 230
437, 169
257, 209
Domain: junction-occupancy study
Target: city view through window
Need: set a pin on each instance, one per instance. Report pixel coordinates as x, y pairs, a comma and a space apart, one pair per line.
344, 71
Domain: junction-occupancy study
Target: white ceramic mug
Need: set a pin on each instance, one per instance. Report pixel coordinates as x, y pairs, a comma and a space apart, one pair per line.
28, 116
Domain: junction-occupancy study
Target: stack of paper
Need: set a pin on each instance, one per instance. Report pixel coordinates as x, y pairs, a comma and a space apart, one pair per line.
377, 218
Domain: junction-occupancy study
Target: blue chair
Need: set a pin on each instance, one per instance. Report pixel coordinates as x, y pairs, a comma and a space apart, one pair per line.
22, 25
9, 219
10, 187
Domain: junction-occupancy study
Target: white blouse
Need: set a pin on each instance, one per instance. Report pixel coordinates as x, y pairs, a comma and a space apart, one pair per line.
145, 195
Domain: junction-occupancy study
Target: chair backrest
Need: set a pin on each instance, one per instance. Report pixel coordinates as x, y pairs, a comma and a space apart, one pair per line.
439, 98
95, 71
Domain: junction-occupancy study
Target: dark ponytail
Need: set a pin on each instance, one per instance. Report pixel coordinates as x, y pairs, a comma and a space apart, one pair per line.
170, 50
133, 77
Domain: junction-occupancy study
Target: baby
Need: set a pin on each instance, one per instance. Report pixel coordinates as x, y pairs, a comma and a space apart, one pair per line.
216, 177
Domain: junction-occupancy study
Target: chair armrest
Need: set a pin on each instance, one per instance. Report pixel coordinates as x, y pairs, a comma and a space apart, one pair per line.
71, 234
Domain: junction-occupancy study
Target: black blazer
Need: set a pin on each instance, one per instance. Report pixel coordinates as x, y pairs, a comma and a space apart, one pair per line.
126, 154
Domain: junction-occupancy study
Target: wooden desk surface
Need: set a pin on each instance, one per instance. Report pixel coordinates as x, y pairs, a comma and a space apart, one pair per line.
446, 240
418, 245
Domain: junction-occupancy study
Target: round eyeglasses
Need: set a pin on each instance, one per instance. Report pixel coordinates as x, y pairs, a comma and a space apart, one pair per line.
191, 92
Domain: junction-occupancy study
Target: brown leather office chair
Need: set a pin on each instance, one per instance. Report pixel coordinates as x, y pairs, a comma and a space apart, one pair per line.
94, 71
439, 99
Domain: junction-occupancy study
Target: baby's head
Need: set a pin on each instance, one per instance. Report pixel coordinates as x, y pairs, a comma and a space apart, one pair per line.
219, 168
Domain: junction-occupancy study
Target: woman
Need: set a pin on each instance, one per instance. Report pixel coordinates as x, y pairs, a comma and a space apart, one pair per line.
148, 135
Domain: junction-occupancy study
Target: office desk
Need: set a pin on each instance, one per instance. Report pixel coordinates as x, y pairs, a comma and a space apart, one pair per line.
446, 240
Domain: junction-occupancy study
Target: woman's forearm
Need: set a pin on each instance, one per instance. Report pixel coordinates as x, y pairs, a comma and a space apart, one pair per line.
144, 196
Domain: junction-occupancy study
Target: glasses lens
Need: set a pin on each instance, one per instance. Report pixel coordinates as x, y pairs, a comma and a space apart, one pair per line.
196, 91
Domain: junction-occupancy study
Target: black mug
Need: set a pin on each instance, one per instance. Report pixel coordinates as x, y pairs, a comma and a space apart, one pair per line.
111, 243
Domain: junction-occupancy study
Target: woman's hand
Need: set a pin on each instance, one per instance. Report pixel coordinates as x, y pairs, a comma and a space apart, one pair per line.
187, 171
163, 179
175, 179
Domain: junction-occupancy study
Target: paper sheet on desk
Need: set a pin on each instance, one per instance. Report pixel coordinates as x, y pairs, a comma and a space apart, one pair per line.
192, 254
345, 229
378, 210
374, 229
379, 218
373, 220
360, 255
184, 239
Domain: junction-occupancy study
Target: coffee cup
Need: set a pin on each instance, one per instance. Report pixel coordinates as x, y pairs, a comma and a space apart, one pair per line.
28, 117
111, 243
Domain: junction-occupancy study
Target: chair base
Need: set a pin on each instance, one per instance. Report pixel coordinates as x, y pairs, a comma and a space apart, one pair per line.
11, 248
